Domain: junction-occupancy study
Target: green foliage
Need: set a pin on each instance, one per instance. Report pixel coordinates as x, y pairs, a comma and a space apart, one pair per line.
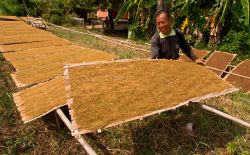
37, 8
83, 4
136, 32
236, 42
142, 11
12, 7
127, 55
57, 19
69, 21
232, 147
246, 12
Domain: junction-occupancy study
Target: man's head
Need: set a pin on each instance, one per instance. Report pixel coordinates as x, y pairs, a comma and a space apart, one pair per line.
163, 21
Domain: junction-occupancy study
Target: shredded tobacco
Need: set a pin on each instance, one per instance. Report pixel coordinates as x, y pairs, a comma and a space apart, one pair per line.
41, 99
109, 93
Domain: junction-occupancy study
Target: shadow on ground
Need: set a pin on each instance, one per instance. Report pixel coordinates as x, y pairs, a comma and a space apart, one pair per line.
166, 133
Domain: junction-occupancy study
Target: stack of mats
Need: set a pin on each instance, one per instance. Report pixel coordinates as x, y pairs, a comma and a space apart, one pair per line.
134, 89
38, 57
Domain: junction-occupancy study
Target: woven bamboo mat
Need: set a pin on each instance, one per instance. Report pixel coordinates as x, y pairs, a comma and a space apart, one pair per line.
200, 54
9, 18
242, 69
58, 56
22, 32
11, 24
39, 100
42, 73
219, 60
18, 29
31, 45
102, 95
36, 52
23, 39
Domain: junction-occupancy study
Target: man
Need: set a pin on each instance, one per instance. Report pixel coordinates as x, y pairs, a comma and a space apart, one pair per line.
167, 41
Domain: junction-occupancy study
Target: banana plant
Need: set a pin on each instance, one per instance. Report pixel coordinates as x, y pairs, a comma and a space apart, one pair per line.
246, 12
140, 8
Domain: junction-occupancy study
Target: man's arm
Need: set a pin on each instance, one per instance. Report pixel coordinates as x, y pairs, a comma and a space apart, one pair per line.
184, 46
154, 48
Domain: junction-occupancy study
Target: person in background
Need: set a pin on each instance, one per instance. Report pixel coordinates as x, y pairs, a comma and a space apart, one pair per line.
167, 41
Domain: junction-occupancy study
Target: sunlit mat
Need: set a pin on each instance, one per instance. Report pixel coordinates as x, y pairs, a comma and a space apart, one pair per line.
22, 32
200, 54
33, 45
102, 95
36, 52
9, 18
23, 39
12, 23
43, 73
41, 99
242, 69
219, 60
59, 55
16, 26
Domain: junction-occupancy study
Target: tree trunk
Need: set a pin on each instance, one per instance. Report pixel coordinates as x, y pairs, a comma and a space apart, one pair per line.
26, 7
161, 5
111, 20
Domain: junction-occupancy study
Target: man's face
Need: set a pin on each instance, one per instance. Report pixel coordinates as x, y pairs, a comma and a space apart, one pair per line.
163, 23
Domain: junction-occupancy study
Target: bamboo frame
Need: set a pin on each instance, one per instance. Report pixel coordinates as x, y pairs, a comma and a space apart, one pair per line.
246, 77
76, 131
183, 55
235, 67
242, 76
234, 55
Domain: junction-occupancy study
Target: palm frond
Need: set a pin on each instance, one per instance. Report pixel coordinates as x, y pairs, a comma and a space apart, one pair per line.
225, 5
125, 7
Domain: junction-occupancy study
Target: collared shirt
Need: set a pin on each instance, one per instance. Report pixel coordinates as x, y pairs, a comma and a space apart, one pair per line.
162, 35
167, 46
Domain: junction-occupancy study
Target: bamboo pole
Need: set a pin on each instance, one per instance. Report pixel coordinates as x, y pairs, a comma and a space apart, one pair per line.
80, 139
226, 115
228, 72
117, 42
64, 118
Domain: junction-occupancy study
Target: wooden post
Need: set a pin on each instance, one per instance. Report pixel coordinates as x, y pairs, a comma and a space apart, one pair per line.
83, 23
